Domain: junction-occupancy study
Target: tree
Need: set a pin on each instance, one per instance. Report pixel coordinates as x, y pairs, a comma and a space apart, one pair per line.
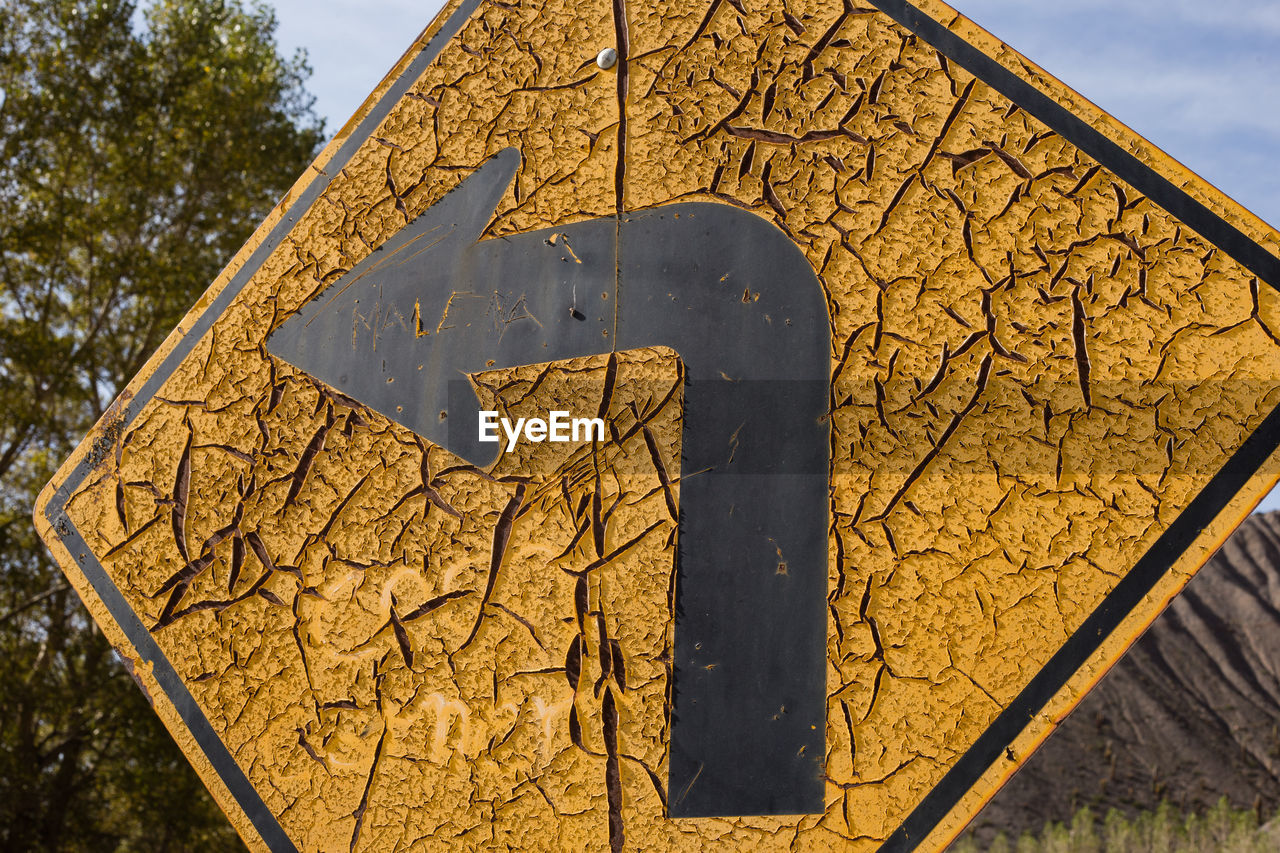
137, 152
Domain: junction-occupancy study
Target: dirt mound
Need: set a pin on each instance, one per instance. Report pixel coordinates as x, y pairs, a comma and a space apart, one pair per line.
1190, 714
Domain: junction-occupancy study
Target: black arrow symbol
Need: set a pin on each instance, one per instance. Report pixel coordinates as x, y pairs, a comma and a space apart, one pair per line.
740, 304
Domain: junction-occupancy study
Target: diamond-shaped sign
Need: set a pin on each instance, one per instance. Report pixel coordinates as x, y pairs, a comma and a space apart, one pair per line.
760, 438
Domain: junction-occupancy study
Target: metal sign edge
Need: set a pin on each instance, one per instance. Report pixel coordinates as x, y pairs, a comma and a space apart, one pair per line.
1222, 493
928, 821
173, 702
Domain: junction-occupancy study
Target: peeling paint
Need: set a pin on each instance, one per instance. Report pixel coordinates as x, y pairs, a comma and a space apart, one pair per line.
1035, 369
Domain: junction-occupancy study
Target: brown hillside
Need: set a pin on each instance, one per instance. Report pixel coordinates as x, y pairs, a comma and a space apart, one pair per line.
1190, 714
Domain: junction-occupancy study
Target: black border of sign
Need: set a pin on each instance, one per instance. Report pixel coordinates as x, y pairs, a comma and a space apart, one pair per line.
216, 752
990, 747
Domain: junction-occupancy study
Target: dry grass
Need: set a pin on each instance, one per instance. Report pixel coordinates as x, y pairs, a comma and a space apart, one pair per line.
1222, 829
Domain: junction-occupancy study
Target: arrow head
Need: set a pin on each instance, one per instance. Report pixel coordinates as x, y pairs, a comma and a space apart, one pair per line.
402, 330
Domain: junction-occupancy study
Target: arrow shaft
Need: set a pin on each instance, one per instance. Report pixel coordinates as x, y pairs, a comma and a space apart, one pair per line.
740, 304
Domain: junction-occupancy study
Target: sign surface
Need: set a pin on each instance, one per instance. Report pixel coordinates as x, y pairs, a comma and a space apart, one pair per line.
926, 386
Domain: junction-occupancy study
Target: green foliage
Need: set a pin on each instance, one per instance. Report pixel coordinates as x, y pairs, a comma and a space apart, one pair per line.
137, 153
1222, 829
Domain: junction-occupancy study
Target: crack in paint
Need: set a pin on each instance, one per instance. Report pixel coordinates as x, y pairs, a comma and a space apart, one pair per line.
978, 495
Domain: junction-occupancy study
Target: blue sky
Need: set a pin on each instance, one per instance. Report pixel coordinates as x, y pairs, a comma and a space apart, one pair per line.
1199, 79
351, 45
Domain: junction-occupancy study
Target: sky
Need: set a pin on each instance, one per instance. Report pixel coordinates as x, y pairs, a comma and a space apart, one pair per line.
1198, 78
350, 44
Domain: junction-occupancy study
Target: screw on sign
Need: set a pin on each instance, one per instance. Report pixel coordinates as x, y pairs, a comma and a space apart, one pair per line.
925, 385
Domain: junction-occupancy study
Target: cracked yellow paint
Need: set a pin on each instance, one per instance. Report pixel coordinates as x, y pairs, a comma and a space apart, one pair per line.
1034, 370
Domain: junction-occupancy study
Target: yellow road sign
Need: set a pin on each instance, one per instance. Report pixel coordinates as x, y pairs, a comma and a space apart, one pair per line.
1046, 390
